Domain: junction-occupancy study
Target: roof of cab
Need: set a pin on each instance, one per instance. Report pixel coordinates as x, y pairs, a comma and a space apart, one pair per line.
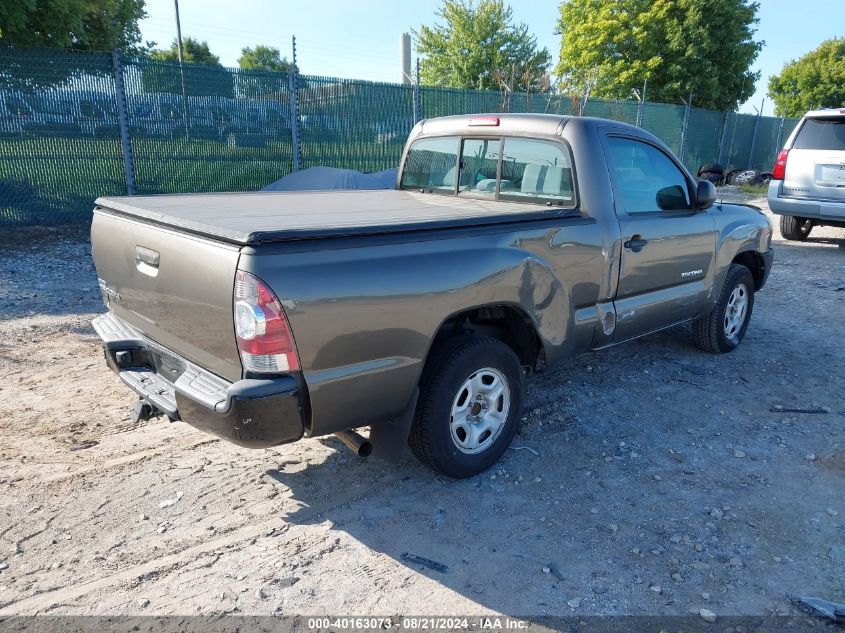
498, 123
492, 123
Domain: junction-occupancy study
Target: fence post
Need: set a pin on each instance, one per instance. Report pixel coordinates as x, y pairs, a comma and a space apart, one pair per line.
684, 129
780, 134
754, 141
723, 139
641, 105
123, 122
296, 145
417, 101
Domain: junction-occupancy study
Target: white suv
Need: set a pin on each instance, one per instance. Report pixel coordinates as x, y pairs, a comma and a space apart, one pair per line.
808, 184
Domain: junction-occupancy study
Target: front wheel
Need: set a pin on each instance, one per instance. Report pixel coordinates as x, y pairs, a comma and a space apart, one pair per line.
795, 229
724, 328
470, 404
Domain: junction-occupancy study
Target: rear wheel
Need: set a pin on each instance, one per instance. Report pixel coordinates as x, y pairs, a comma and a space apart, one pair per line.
724, 328
795, 229
470, 404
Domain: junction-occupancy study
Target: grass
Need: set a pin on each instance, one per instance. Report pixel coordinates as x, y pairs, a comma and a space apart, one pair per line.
755, 190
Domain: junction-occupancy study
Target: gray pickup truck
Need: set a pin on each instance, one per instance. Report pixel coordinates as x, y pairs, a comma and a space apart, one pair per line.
512, 242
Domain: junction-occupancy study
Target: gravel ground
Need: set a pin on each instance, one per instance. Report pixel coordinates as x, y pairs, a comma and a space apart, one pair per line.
648, 479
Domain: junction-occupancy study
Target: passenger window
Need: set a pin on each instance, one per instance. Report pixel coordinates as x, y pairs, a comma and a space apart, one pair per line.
479, 158
431, 163
646, 179
536, 170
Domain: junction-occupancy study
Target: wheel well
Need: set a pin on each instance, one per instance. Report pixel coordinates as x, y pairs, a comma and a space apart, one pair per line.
754, 262
506, 323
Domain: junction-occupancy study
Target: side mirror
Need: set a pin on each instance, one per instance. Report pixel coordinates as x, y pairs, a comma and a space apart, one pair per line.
672, 198
705, 195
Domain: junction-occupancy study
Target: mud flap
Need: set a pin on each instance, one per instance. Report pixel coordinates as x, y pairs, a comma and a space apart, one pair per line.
390, 439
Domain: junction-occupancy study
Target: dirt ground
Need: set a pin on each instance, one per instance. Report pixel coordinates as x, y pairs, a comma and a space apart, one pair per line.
648, 479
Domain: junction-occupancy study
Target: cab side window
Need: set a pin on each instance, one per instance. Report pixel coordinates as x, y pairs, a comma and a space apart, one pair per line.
536, 170
647, 180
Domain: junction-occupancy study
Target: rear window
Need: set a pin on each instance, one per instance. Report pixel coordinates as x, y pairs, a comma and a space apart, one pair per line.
827, 134
432, 163
516, 169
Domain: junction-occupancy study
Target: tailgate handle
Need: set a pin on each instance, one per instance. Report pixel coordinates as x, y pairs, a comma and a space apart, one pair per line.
146, 260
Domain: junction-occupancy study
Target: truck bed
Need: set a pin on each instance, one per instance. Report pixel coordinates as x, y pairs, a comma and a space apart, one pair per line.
258, 217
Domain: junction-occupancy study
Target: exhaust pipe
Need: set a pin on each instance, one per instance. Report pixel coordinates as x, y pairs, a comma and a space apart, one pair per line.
358, 443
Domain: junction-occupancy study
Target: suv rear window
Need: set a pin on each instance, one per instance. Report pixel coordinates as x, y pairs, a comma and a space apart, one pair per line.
826, 134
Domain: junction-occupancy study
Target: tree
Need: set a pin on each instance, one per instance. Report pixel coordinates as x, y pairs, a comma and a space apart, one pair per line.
83, 25
703, 47
479, 46
263, 58
192, 51
204, 75
816, 80
262, 71
97, 25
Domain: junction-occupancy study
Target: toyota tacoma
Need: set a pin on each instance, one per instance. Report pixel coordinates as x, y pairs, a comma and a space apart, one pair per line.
511, 243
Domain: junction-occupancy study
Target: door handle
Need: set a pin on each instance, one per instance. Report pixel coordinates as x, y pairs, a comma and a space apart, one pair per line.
147, 260
636, 243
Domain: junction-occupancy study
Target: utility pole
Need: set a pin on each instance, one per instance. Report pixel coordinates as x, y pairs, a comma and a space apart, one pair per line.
179, 53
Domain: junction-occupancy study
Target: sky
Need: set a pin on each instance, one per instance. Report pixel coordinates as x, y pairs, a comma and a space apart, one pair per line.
361, 39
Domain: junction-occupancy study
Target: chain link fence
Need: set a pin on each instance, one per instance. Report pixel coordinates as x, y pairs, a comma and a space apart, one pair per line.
74, 126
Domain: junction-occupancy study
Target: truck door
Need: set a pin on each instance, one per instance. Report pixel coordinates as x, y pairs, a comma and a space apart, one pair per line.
668, 248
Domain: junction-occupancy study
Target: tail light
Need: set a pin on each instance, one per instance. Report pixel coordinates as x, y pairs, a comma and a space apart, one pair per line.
264, 338
779, 170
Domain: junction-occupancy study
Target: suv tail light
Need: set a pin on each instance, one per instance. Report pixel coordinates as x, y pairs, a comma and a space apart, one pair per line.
264, 338
779, 170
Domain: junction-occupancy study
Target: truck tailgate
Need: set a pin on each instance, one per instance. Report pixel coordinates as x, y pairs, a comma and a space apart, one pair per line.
173, 287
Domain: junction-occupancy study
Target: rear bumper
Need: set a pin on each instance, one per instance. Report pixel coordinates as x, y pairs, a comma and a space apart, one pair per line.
804, 208
251, 413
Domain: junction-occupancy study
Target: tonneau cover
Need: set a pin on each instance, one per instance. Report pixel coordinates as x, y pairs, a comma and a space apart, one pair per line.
255, 217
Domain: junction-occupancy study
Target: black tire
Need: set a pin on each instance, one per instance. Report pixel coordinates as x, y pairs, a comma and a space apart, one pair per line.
729, 176
763, 178
795, 229
709, 332
449, 366
714, 168
716, 179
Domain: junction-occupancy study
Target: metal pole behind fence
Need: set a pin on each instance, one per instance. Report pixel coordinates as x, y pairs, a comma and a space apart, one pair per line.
754, 141
417, 101
293, 89
723, 139
641, 105
684, 129
780, 134
123, 122
185, 111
